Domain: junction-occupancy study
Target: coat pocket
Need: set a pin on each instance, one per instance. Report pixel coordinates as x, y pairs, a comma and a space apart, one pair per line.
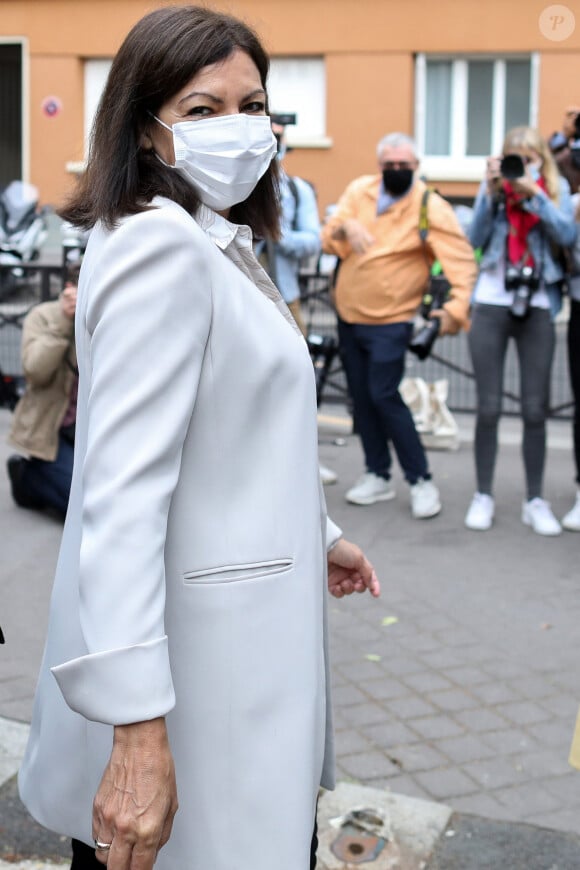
236, 573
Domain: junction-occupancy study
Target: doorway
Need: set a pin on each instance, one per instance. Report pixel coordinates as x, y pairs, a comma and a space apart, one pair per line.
10, 112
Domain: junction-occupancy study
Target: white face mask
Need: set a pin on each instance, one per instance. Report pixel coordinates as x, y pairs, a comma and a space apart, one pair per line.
223, 157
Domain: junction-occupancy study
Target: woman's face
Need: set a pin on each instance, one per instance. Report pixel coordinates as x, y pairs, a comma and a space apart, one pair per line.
229, 87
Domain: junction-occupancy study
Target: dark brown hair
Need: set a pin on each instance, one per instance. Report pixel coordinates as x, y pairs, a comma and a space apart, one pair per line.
158, 57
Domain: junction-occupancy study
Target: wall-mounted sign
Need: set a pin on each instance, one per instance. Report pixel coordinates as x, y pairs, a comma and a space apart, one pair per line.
51, 107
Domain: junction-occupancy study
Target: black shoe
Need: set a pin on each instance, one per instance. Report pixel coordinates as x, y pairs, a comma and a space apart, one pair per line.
15, 466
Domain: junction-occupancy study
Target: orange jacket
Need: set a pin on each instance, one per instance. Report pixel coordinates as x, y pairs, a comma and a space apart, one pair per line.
385, 284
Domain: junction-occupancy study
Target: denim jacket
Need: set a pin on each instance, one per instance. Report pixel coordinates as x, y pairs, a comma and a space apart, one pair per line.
489, 229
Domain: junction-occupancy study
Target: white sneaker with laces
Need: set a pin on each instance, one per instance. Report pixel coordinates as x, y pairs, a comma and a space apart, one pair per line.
537, 513
572, 519
479, 517
425, 499
327, 475
370, 488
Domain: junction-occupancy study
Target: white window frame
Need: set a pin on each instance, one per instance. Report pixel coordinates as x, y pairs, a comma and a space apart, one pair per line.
458, 166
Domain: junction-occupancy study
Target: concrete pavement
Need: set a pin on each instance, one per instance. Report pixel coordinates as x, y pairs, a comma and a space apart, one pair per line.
459, 686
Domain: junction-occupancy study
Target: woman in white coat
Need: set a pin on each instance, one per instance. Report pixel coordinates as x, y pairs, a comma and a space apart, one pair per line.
187, 621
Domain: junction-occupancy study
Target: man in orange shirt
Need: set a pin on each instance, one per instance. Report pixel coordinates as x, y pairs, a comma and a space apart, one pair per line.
384, 270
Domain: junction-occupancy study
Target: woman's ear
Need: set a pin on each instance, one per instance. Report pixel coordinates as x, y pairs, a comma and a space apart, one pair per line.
145, 141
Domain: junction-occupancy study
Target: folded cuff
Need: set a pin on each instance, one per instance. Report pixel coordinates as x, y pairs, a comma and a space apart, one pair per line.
333, 534
120, 686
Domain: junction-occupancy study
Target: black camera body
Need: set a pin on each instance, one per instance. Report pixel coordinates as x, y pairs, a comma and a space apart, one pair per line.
434, 298
284, 119
512, 167
522, 281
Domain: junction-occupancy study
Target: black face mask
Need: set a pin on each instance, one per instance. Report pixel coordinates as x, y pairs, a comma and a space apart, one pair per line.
397, 181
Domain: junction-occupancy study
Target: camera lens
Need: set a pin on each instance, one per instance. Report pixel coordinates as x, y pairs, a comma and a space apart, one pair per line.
512, 166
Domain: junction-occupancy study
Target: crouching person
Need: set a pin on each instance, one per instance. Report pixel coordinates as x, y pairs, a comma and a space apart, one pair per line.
44, 418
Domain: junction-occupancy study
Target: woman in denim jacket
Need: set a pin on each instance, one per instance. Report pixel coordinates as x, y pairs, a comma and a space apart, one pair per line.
519, 223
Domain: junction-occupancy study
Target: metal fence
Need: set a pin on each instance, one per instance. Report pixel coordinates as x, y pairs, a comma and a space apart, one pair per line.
450, 359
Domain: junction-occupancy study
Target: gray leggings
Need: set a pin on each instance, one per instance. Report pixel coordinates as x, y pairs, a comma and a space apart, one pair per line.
492, 327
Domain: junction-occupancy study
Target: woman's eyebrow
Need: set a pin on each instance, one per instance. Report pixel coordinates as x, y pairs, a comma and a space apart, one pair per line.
214, 99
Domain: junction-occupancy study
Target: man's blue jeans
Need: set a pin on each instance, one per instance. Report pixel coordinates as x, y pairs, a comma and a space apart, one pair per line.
374, 361
48, 483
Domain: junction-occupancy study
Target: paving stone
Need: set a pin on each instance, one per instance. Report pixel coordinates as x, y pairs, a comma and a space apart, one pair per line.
481, 720
452, 699
482, 804
560, 820
349, 741
494, 773
389, 733
410, 707
523, 712
496, 692
467, 747
446, 784
368, 765
363, 714
509, 741
534, 688
417, 756
466, 676
427, 681
526, 800
434, 727
347, 695
541, 763
384, 689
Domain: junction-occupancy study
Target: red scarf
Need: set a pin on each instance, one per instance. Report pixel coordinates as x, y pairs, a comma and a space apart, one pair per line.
520, 222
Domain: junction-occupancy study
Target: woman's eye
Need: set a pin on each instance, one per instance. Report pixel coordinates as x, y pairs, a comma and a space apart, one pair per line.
256, 107
198, 111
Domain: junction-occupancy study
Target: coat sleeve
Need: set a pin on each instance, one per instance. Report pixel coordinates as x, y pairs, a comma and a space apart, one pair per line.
303, 240
148, 317
557, 219
47, 335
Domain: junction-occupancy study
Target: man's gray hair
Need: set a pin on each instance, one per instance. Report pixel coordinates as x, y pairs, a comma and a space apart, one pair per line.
397, 140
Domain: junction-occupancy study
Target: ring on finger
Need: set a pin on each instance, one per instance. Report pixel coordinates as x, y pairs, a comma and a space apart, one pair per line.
102, 847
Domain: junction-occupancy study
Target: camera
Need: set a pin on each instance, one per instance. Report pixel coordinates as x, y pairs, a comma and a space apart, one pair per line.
284, 119
434, 297
512, 167
522, 280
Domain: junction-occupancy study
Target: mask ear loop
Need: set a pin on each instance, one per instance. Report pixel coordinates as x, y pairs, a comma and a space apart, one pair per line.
167, 127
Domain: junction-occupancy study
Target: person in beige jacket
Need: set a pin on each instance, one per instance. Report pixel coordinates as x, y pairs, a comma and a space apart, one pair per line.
44, 418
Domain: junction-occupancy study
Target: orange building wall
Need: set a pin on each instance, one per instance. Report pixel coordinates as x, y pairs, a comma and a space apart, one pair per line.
369, 47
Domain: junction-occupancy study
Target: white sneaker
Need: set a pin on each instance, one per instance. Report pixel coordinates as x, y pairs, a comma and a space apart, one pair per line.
537, 513
327, 475
572, 519
425, 499
370, 488
479, 517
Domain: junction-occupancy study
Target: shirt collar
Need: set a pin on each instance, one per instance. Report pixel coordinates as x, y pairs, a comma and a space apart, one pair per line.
221, 231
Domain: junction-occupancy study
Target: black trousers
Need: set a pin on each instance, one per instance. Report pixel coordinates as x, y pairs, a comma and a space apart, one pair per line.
84, 856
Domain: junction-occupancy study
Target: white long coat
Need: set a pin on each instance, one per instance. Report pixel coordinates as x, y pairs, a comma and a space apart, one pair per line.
192, 573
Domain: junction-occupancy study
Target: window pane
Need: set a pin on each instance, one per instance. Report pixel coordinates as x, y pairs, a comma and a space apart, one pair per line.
298, 84
517, 93
479, 107
438, 108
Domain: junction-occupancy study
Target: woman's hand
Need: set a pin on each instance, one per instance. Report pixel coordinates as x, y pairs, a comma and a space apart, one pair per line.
350, 571
137, 798
493, 175
526, 185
